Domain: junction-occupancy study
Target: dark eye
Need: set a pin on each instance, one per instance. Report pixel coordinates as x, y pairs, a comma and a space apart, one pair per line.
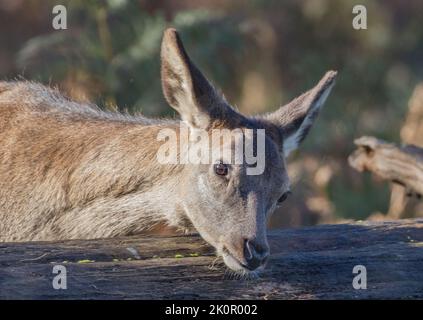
221, 169
284, 196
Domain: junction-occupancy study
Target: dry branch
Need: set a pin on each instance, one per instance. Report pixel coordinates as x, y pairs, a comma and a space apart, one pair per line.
403, 165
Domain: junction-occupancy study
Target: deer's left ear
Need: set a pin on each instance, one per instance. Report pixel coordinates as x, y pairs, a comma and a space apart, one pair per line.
187, 90
296, 118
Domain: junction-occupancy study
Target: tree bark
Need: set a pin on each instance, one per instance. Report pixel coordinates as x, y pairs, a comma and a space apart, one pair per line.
307, 263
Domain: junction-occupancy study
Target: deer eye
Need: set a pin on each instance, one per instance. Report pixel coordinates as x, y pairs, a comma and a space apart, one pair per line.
284, 196
221, 169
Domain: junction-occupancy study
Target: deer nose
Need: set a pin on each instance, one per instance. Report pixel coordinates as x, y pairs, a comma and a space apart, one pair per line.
255, 254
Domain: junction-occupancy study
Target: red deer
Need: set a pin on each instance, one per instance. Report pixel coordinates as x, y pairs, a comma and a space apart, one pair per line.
70, 170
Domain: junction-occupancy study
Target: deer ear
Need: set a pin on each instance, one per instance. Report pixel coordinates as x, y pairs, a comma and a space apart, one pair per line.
185, 88
296, 118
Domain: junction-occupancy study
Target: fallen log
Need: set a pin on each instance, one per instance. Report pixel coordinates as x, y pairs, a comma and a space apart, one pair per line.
403, 165
314, 262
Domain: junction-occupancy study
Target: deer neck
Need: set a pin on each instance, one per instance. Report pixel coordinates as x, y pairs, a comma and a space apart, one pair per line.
137, 194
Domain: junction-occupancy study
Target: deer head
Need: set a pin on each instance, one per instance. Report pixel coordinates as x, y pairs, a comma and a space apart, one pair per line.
228, 206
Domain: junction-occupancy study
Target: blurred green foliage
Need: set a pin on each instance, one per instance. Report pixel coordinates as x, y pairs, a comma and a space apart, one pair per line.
260, 53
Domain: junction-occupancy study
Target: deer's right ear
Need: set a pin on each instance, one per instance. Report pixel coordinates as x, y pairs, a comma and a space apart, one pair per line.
185, 88
296, 118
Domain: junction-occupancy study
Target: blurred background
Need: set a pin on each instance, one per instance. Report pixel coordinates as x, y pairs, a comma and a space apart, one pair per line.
260, 54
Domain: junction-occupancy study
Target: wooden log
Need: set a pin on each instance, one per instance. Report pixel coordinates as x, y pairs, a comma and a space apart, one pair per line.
411, 133
314, 262
403, 165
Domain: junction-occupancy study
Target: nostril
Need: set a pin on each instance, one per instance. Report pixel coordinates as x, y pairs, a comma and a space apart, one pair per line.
254, 254
248, 250
253, 248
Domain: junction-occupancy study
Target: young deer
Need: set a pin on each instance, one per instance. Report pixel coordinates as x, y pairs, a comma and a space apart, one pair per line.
70, 170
